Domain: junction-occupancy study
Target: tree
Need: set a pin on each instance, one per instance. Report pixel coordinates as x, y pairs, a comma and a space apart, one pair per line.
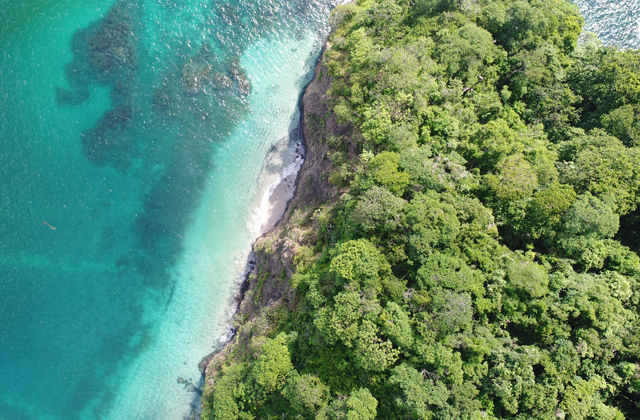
438, 173
553, 106
624, 123
341, 321
603, 166
515, 180
228, 394
385, 172
306, 394
397, 326
590, 216
511, 377
358, 263
273, 365
415, 396
450, 311
447, 271
431, 217
547, 207
523, 27
379, 210
376, 126
359, 405
372, 353
465, 51
491, 143
528, 277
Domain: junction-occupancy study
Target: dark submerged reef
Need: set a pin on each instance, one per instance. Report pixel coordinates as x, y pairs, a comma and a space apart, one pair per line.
454, 249
168, 111
108, 142
166, 136
106, 52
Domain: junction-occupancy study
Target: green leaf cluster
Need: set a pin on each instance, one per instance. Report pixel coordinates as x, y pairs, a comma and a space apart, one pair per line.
474, 267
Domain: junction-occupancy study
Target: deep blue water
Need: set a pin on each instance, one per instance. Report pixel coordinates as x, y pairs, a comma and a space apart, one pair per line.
134, 138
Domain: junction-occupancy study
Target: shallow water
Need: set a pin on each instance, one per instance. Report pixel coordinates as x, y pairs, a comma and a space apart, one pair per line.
146, 135
139, 131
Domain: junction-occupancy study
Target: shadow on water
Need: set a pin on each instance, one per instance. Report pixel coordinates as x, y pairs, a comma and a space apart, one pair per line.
167, 115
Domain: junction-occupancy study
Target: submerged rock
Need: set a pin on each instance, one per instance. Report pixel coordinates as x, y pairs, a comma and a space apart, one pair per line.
195, 74
108, 142
161, 102
111, 47
189, 385
106, 52
222, 82
237, 74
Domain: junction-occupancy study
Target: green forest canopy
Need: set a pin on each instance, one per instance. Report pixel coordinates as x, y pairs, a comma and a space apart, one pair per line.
475, 267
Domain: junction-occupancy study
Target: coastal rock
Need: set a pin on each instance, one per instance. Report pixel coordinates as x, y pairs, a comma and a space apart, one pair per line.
267, 287
206, 361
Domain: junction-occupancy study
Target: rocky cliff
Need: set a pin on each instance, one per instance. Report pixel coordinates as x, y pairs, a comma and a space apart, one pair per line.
266, 288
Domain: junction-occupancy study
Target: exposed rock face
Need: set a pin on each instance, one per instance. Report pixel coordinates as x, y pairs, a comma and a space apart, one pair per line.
267, 285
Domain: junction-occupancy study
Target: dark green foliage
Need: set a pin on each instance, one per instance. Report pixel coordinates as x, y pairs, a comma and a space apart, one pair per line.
359, 264
589, 216
473, 269
306, 394
602, 165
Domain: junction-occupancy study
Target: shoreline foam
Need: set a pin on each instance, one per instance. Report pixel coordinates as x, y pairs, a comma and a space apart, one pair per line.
275, 200
273, 206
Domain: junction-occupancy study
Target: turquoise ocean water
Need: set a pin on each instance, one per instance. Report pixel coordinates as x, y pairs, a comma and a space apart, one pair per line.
146, 133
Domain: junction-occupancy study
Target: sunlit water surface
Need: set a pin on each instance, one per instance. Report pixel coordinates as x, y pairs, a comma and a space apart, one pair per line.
616, 22
144, 133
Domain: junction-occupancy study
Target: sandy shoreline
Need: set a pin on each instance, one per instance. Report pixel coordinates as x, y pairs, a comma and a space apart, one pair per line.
282, 194
277, 203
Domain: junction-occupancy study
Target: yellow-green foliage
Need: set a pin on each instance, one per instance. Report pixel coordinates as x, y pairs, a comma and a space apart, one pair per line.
474, 267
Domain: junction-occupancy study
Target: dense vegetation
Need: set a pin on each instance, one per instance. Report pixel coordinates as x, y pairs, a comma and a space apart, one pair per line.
473, 268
